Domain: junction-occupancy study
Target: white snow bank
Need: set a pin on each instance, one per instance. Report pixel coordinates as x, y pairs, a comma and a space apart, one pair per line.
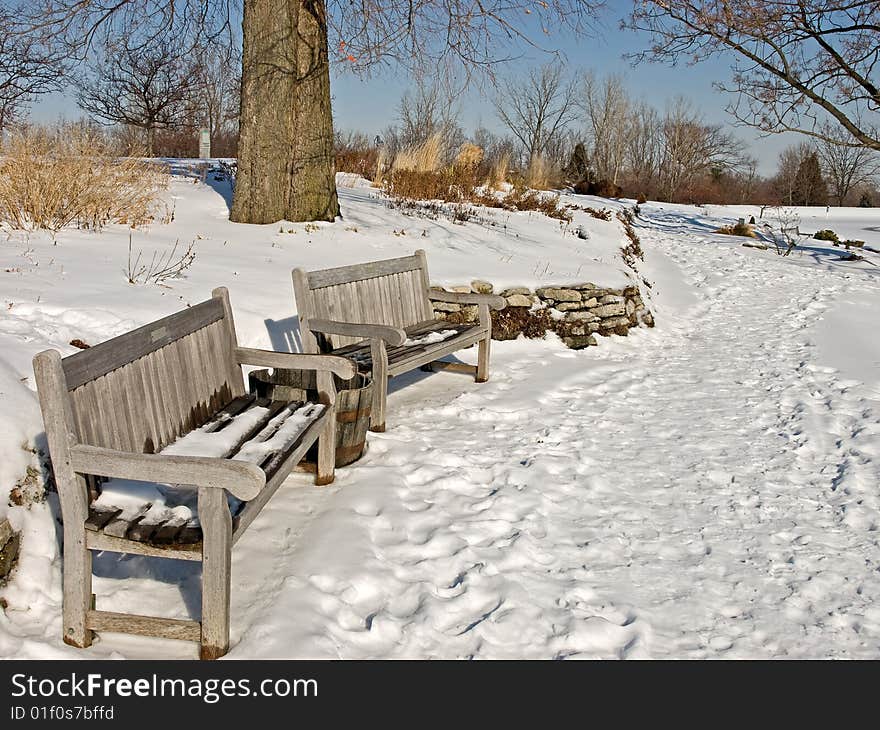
703, 489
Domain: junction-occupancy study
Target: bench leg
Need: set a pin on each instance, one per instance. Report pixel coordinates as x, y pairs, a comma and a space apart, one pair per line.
77, 587
380, 385
327, 452
483, 346
216, 571
483, 359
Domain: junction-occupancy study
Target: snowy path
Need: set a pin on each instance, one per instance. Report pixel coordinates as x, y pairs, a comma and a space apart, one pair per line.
700, 490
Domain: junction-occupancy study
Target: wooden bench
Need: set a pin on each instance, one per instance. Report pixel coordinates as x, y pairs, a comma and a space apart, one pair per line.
113, 410
379, 315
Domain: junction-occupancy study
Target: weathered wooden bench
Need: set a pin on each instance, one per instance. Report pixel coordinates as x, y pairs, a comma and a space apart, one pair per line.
166, 403
379, 315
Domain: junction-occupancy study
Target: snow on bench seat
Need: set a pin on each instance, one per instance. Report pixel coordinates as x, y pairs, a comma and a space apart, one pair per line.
259, 431
421, 339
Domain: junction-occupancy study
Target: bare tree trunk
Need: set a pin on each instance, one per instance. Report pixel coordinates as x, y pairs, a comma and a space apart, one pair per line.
285, 153
151, 140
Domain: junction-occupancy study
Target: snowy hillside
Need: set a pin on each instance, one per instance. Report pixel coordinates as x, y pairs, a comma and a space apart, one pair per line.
706, 488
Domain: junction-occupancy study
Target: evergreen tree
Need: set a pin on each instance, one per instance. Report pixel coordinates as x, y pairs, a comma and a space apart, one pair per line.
809, 185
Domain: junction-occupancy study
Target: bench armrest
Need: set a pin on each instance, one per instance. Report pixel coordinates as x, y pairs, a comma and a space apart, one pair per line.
491, 300
241, 478
394, 336
296, 361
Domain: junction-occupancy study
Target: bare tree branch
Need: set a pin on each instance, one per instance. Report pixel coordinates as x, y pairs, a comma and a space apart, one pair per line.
798, 63
29, 66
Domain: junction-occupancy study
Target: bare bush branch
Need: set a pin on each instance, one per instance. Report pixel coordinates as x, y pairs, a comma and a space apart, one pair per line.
162, 267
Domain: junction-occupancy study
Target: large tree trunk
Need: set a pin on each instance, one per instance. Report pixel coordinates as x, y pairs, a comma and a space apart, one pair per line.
285, 152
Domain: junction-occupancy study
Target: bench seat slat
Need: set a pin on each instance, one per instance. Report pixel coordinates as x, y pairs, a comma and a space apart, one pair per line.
99, 516
360, 352
171, 530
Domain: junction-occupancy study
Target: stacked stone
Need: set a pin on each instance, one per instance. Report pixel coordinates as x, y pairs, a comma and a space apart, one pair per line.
589, 309
576, 312
9, 543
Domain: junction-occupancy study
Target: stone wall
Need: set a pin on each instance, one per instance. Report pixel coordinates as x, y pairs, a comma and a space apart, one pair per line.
573, 311
9, 544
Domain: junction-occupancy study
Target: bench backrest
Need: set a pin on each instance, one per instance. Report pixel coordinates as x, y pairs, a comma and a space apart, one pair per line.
391, 291
141, 390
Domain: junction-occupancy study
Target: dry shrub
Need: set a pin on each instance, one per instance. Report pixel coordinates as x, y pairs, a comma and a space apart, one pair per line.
632, 250
54, 177
421, 185
538, 173
602, 214
738, 229
356, 154
417, 174
426, 157
469, 155
499, 171
600, 188
524, 199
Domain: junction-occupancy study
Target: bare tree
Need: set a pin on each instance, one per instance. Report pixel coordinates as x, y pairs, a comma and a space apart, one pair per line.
692, 147
537, 109
214, 99
143, 87
29, 66
286, 141
427, 111
846, 168
798, 62
644, 148
606, 106
747, 179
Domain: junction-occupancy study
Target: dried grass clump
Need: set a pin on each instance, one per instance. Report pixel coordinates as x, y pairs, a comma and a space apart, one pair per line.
381, 167
538, 173
469, 155
426, 157
738, 229
418, 175
422, 185
499, 172
602, 214
521, 198
51, 178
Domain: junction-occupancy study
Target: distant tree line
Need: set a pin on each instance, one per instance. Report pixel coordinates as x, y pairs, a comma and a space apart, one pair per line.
586, 132
154, 71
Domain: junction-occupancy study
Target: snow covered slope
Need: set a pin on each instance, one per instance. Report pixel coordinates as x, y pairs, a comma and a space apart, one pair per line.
707, 488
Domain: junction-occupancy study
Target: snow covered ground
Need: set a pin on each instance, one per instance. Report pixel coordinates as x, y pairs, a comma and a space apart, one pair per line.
708, 488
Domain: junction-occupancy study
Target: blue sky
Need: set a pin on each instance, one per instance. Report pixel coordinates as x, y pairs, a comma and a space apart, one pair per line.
370, 104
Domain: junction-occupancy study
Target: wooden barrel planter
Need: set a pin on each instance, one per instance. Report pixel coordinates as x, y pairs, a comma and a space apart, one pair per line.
354, 399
